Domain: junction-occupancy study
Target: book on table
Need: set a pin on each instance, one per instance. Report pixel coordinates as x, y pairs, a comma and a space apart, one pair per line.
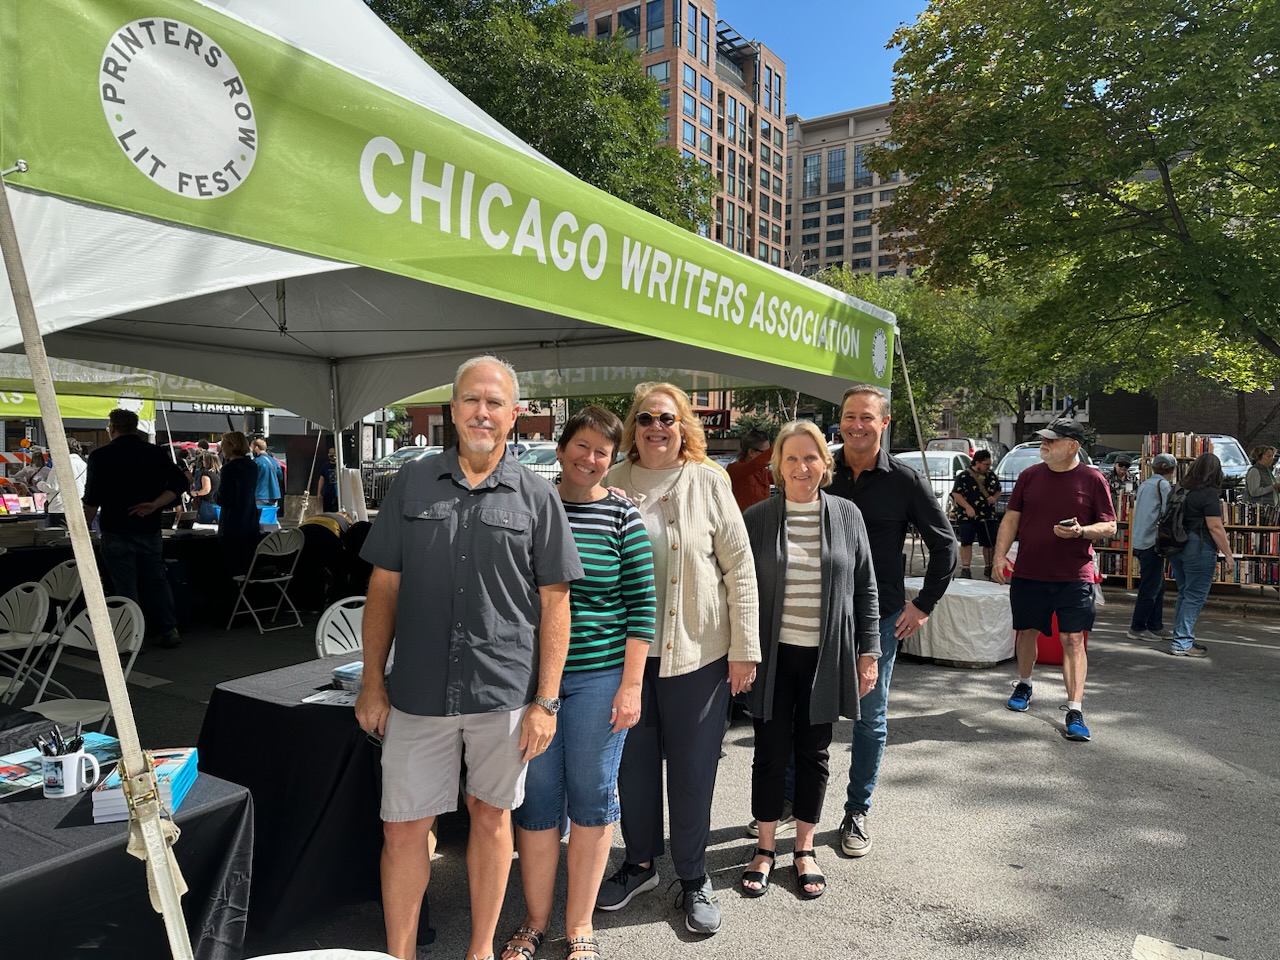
176, 769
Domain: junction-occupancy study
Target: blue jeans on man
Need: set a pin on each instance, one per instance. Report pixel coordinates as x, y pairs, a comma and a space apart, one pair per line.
1148, 609
871, 730
1193, 568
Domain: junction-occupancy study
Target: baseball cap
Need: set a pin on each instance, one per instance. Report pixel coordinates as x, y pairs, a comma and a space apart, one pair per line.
1062, 428
1123, 461
1163, 460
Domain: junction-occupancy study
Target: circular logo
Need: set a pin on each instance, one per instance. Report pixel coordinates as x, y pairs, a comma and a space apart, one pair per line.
178, 108
879, 353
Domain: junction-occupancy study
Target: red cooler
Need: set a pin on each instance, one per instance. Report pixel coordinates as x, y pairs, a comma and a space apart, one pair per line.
1049, 649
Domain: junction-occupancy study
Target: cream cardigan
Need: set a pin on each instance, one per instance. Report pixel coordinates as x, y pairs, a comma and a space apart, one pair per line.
712, 604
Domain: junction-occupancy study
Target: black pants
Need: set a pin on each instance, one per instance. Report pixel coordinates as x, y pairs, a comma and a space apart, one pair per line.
790, 730
681, 718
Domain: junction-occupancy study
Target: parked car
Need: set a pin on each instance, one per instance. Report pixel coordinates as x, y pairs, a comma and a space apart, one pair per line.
968, 445
1017, 460
942, 465
1109, 461
1235, 461
541, 459
378, 475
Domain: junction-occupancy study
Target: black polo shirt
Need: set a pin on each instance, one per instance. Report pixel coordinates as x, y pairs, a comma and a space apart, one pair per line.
470, 562
891, 495
125, 472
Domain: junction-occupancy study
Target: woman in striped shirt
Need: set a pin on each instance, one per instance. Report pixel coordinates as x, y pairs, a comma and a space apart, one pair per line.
819, 642
612, 631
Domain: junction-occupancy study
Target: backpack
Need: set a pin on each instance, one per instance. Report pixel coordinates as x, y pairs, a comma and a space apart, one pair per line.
1171, 526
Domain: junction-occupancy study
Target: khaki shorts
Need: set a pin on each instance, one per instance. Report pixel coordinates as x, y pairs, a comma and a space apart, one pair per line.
422, 760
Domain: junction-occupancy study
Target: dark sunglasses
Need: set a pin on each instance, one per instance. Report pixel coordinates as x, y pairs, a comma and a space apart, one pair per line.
646, 419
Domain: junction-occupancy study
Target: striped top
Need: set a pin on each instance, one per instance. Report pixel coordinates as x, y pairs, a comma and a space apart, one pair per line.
802, 597
614, 599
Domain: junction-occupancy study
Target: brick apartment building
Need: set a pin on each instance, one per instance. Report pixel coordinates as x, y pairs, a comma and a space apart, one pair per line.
724, 99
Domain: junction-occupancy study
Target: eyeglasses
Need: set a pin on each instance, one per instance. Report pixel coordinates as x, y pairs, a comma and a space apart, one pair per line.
646, 419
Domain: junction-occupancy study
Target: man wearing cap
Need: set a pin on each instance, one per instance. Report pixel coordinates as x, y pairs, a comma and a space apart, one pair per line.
1148, 610
1056, 509
1120, 479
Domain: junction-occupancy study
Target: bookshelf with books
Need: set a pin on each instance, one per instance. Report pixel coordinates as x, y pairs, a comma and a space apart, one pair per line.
1115, 556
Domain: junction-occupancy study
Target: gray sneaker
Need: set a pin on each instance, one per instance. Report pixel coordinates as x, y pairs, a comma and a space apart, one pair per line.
786, 824
855, 838
701, 908
629, 879
1198, 650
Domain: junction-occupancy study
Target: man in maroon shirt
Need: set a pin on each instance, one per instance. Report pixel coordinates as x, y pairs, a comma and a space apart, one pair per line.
1056, 509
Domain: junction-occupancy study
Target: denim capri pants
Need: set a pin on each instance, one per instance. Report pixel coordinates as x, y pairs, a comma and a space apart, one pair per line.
581, 765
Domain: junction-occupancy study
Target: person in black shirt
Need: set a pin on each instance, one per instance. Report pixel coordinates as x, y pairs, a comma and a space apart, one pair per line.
975, 494
129, 482
891, 496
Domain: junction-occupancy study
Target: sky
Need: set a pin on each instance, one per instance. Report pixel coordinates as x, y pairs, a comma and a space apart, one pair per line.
834, 49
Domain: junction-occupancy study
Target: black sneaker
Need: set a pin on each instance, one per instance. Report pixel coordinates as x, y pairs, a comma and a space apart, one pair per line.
1075, 726
855, 838
629, 879
701, 908
1020, 700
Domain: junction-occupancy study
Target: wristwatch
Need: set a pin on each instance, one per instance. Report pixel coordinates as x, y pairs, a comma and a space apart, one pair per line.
549, 704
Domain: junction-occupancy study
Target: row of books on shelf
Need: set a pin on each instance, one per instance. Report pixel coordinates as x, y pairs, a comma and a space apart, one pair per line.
1255, 542
1184, 445
1250, 515
1247, 571
1113, 564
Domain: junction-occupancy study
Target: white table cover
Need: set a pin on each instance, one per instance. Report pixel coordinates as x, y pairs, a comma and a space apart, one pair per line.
971, 624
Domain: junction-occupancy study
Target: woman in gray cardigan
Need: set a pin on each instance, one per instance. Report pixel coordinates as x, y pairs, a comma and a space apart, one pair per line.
819, 642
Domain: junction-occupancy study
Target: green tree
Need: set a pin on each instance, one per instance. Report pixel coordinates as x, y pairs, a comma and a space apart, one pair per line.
616, 403
586, 105
1132, 148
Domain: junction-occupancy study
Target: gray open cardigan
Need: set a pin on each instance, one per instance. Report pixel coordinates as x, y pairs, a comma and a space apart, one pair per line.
850, 615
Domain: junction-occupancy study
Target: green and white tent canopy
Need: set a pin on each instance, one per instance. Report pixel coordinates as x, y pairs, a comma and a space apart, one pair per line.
280, 197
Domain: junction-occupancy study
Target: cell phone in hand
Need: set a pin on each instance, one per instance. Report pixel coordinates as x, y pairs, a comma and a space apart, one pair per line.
1071, 522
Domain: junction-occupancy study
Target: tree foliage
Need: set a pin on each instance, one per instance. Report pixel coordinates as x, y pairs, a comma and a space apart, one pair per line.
1130, 152
586, 105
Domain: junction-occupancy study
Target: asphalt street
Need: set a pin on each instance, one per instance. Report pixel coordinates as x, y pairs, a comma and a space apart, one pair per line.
994, 837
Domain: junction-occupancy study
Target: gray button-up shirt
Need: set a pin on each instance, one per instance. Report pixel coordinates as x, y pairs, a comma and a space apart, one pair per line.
470, 562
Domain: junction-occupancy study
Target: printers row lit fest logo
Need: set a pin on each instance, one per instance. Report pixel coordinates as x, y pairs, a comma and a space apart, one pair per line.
178, 108
879, 353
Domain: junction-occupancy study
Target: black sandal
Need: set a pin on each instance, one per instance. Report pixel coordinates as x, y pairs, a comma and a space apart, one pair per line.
809, 879
755, 876
533, 938
587, 945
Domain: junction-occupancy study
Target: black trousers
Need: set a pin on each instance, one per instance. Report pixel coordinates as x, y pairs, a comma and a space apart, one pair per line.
681, 718
788, 731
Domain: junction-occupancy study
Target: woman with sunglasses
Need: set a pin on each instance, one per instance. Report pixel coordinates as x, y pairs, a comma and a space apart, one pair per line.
706, 648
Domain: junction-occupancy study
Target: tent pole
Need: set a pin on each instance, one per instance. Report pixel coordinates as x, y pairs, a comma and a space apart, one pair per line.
149, 837
906, 379
337, 430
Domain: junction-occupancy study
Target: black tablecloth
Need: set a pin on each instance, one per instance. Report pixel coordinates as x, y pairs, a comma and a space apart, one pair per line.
68, 889
316, 783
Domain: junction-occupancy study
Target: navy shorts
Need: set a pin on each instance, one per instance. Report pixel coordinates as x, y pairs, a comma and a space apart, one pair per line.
984, 531
1034, 602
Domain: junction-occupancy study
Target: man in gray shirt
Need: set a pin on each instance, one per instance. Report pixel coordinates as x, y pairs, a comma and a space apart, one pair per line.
484, 552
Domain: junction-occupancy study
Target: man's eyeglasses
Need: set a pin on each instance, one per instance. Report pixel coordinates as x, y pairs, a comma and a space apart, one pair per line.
646, 419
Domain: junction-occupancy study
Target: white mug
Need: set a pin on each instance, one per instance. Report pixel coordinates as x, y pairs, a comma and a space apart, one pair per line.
65, 775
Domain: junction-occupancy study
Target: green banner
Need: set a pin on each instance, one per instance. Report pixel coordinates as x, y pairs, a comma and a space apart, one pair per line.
15, 404
175, 111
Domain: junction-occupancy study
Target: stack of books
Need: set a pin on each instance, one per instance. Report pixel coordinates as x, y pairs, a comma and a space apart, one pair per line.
348, 676
175, 773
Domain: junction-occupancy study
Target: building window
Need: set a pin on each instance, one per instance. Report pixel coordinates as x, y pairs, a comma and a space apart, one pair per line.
777, 160
836, 251
861, 199
886, 273
664, 98
706, 89
835, 234
655, 19
664, 128
764, 206
777, 94
810, 207
861, 173
812, 175
763, 251
704, 116
768, 89
776, 233
688, 135
691, 30
764, 179
835, 170
688, 154
864, 247
888, 260
704, 142
791, 130
806, 238
861, 215
860, 263
688, 105
742, 125
777, 209
659, 72
732, 167
774, 255
834, 219
777, 137
579, 26
743, 182
765, 154
887, 195
764, 131
777, 184
690, 77
604, 26
704, 47
629, 27
731, 120
864, 231
836, 203
810, 223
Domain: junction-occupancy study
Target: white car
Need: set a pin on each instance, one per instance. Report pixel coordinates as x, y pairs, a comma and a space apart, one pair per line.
541, 459
942, 466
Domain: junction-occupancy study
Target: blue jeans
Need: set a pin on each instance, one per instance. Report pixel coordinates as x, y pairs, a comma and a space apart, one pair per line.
581, 764
872, 729
1193, 570
1148, 610
136, 560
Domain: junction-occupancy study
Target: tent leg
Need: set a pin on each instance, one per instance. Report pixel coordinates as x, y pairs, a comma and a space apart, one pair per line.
337, 428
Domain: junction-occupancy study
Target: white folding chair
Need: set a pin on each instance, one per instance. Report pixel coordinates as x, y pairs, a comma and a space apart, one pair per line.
62, 584
23, 611
339, 629
127, 625
273, 564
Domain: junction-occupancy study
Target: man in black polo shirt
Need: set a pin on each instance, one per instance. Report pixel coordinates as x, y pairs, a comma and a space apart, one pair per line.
891, 496
129, 482
472, 556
